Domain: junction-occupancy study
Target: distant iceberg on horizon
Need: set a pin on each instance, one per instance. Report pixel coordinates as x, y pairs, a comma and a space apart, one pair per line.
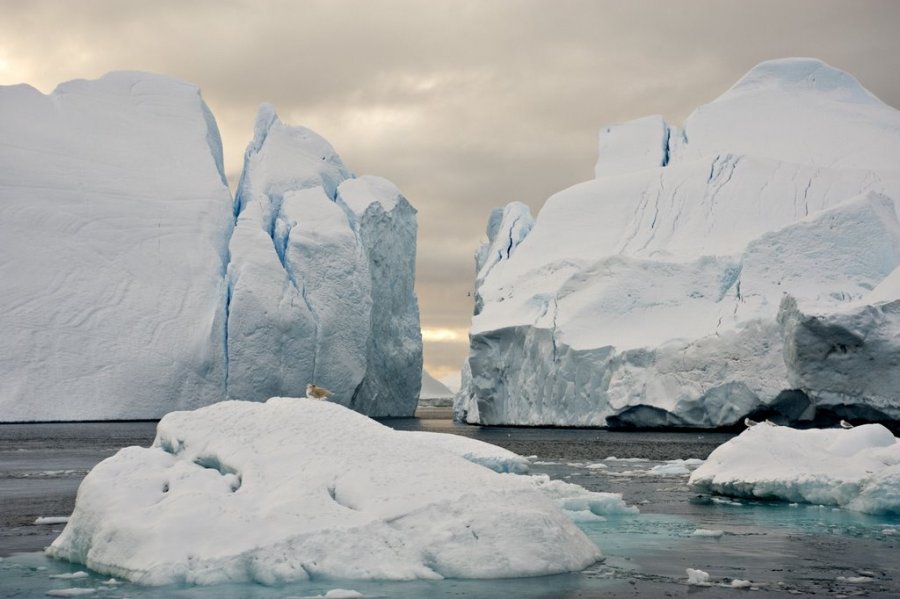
135, 285
745, 264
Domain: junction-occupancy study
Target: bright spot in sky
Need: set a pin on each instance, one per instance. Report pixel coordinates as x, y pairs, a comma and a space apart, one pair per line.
445, 335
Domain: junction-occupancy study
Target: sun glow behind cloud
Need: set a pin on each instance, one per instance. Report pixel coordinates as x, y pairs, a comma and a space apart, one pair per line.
444, 335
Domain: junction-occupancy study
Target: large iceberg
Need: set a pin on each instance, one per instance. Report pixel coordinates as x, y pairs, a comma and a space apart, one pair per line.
293, 489
134, 285
652, 295
858, 469
321, 278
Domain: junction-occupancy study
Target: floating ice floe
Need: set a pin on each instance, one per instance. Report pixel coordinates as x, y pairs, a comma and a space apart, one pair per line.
857, 469
292, 489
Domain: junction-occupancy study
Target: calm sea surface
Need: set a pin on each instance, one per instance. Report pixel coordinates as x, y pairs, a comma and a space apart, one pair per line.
780, 549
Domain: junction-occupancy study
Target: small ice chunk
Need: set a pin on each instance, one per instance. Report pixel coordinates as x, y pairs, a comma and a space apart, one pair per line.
343, 594
597, 466
705, 532
855, 579
670, 470
584, 516
737, 583
697, 577
70, 575
74, 592
111, 582
51, 520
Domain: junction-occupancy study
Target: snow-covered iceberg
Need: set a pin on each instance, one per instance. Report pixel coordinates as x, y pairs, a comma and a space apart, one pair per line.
652, 295
292, 489
134, 285
857, 468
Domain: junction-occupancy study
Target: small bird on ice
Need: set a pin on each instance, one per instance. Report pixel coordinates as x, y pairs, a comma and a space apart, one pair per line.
845, 424
317, 392
748, 423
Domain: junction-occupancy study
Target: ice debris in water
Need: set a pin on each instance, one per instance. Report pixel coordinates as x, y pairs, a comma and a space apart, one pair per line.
51, 520
697, 577
705, 532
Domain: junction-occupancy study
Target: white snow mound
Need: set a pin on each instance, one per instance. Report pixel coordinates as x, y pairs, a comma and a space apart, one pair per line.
857, 469
293, 489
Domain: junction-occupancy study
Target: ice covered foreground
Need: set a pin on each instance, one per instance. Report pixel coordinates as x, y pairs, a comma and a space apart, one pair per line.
292, 489
745, 264
134, 285
858, 469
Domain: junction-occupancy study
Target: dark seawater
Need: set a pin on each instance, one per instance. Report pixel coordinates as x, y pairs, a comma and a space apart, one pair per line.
782, 549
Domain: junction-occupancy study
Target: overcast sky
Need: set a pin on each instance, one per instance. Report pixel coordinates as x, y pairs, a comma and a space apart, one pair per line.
464, 105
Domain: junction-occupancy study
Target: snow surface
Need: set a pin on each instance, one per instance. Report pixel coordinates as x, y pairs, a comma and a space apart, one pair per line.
135, 285
857, 469
296, 488
490, 456
651, 295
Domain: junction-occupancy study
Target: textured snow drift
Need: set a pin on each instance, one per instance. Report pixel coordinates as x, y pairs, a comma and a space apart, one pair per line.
292, 489
134, 285
654, 295
857, 469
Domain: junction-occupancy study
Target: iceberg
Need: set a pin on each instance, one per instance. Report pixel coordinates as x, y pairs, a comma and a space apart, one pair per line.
116, 220
135, 285
319, 255
857, 469
293, 489
432, 388
652, 295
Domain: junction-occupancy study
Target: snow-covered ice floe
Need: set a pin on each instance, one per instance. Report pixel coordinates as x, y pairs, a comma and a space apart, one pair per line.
293, 489
857, 469
654, 295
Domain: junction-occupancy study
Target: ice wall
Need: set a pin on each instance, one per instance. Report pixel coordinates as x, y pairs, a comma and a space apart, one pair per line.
135, 285
650, 295
113, 243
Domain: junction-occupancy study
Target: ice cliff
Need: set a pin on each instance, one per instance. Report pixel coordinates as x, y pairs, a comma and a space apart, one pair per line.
653, 295
321, 278
134, 285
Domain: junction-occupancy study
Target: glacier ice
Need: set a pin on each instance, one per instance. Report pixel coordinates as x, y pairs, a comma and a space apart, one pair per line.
135, 285
651, 296
292, 489
321, 278
857, 468
116, 219
433, 388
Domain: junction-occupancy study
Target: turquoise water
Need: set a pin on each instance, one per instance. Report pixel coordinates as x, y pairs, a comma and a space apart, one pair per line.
779, 548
